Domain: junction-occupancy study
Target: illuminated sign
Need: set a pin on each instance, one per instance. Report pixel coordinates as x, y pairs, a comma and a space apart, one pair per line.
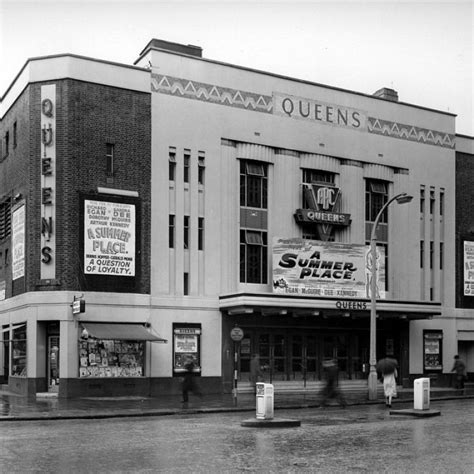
321, 200
48, 181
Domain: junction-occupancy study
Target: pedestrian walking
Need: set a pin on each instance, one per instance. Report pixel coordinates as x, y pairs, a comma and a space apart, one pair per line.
189, 381
331, 388
256, 374
459, 368
387, 367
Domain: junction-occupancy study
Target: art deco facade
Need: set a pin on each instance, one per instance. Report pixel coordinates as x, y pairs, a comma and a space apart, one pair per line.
181, 198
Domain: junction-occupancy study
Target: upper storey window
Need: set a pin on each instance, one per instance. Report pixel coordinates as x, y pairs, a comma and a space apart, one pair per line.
253, 184
376, 195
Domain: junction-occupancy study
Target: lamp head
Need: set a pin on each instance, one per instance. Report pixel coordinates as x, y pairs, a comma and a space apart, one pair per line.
404, 198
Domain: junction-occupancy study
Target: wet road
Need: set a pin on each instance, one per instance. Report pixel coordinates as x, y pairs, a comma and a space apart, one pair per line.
357, 439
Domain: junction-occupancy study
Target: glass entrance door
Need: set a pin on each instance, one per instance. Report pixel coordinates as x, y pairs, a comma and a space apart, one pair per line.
304, 357
272, 351
53, 363
335, 346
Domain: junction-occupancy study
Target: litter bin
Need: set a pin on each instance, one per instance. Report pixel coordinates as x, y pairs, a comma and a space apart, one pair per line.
264, 401
421, 394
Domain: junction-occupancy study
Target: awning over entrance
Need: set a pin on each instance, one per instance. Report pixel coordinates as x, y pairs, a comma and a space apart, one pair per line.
276, 304
124, 332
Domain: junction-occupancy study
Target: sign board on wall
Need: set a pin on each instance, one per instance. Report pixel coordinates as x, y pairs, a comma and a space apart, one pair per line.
468, 268
109, 238
314, 268
18, 242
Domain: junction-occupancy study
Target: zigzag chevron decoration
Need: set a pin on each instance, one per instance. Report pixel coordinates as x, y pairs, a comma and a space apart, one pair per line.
211, 93
264, 103
410, 132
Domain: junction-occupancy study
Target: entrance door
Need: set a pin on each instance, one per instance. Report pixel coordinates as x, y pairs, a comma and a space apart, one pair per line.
304, 357
272, 351
53, 363
336, 347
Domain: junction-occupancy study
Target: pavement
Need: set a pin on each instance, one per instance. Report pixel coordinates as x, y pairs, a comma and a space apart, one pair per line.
49, 407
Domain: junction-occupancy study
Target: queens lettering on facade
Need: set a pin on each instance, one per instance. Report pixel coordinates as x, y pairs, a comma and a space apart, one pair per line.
307, 109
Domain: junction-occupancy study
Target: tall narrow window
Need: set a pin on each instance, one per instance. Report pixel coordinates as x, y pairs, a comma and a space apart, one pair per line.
441, 202
109, 159
186, 164
186, 283
422, 200
253, 256
200, 233
376, 196
441, 255
172, 164
422, 253
171, 231
431, 254
186, 232
253, 184
432, 201
6, 144
201, 169
15, 137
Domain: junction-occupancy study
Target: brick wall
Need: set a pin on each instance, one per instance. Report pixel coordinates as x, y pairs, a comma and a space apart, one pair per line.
87, 117
464, 221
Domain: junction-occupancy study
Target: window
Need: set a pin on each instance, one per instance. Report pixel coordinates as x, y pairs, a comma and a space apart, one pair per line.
317, 176
376, 196
441, 255
201, 169
253, 256
200, 233
441, 202
186, 283
15, 137
6, 144
422, 253
253, 184
186, 232
187, 158
432, 201
109, 159
171, 230
431, 254
18, 365
172, 164
422, 201
5, 219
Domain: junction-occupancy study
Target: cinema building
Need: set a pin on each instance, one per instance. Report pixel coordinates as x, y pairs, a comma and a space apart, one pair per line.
187, 207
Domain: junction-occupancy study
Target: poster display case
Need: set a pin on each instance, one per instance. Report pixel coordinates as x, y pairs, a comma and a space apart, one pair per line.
186, 346
432, 351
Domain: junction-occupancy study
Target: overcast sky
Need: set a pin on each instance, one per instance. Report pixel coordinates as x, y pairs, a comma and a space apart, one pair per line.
424, 50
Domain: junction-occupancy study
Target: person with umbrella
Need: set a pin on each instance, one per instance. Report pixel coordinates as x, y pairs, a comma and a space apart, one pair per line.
388, 368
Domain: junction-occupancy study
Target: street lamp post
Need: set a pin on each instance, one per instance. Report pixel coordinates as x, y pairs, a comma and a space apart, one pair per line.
372, 382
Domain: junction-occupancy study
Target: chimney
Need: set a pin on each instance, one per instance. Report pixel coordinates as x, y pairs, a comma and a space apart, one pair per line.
188, 49
387, 94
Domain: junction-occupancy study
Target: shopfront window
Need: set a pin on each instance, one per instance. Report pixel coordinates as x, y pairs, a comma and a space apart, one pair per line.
18, 362
111, 358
